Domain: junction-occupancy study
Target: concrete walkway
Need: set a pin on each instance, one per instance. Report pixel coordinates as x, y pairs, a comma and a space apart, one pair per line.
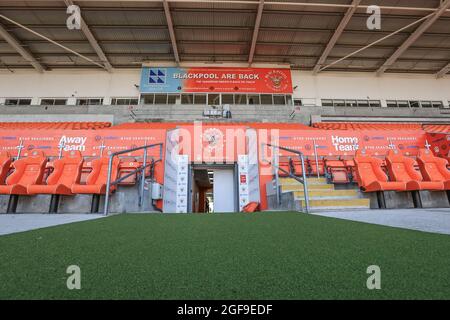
427, 220
12, 223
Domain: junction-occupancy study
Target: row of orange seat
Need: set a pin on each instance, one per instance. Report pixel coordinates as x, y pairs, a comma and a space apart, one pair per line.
55, 125
69, 175
432, 173
442, 128
338, 170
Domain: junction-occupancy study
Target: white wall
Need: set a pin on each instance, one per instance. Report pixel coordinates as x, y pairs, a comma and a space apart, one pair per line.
369, 86
121, 83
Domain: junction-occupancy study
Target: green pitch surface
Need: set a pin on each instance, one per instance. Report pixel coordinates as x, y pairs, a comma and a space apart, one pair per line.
224, 256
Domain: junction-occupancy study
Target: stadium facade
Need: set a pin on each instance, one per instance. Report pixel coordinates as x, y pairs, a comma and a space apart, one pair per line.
226, 106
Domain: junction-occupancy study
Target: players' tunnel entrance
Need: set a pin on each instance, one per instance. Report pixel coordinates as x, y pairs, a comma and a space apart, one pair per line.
213, 188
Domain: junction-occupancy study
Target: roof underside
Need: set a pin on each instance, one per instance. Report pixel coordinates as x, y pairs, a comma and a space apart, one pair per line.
289, 32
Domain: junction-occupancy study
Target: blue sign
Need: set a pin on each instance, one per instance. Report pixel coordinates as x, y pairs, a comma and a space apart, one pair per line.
161, 80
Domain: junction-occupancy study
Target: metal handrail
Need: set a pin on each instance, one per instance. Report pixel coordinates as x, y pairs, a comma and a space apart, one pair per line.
303, 181
142, 169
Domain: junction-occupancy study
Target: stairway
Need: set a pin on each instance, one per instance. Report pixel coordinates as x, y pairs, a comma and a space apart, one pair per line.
324, 196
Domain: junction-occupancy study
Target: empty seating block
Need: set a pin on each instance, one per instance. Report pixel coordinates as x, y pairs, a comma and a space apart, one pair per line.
27, 171
67, 171
371, 176
402, 169
337, 171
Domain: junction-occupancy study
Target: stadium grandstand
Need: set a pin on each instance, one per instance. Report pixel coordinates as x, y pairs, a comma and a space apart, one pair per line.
168, 105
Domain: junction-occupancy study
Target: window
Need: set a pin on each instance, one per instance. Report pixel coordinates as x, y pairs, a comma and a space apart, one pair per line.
375, 103
18, 102
187, 98
148, 99
414, 104
124, 101
200, 98
53, 102
426, 104
391, 103
298, 102
240, 99
254, 99
173, 98
339, 103
160, 98
402, 104
213, 99
266, 99
227, 99
289, 100
351, 103
327, 103
437, 104
89, 101
279, 99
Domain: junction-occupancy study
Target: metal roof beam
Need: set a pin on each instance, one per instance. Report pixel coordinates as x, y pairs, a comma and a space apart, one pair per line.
94, 43
414, 36
256, 31
443, 71
171, 31
13, 42
339, 30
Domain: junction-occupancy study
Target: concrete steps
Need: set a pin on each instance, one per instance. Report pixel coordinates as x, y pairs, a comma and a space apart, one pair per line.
324, 196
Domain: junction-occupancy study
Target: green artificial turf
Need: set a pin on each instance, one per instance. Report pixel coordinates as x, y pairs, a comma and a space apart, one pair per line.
224, 256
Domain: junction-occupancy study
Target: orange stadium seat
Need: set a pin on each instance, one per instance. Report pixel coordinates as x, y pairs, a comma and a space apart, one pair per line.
27, 171
67, 171
337, 171
55, 125
96, 180
285, 165
5, 165
371, 176
402, 169
433, 168
437, 128
314, 167
366, 126
298, 170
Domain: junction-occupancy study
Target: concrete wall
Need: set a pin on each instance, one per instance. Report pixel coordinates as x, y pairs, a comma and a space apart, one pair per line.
74, 84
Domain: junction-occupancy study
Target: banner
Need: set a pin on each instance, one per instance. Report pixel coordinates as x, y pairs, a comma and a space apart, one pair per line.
221, 80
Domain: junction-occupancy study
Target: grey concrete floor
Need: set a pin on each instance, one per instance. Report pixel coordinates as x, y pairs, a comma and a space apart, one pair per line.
13, 223
427, 220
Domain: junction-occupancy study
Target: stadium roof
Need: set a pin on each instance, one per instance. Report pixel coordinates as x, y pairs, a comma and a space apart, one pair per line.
305, 34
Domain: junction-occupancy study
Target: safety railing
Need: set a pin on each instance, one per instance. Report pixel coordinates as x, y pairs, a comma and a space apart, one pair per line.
275, 164
141, 169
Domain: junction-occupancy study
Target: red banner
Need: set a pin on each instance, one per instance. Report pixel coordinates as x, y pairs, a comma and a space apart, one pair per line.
249, 80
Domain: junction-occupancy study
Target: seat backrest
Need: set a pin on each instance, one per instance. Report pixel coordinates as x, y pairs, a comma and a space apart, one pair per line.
29, 170
5, 165
368, 169
67, 170
433, 168
99, 173
402, 168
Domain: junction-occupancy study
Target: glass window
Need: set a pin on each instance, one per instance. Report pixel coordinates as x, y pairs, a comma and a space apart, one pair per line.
89, 101
298, 102
18, 102
403, 104
213, 99
289, 100
363, 103
437, 104
254, 99
148, 99
53, 102
266, 99
327, 103
391, 103
279, 99
375, 103
414, 104
124, 101
425, 104
172, 98
200, 98
187, 98
351, 103
160, 98
227, 99
240, 99
339, 103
